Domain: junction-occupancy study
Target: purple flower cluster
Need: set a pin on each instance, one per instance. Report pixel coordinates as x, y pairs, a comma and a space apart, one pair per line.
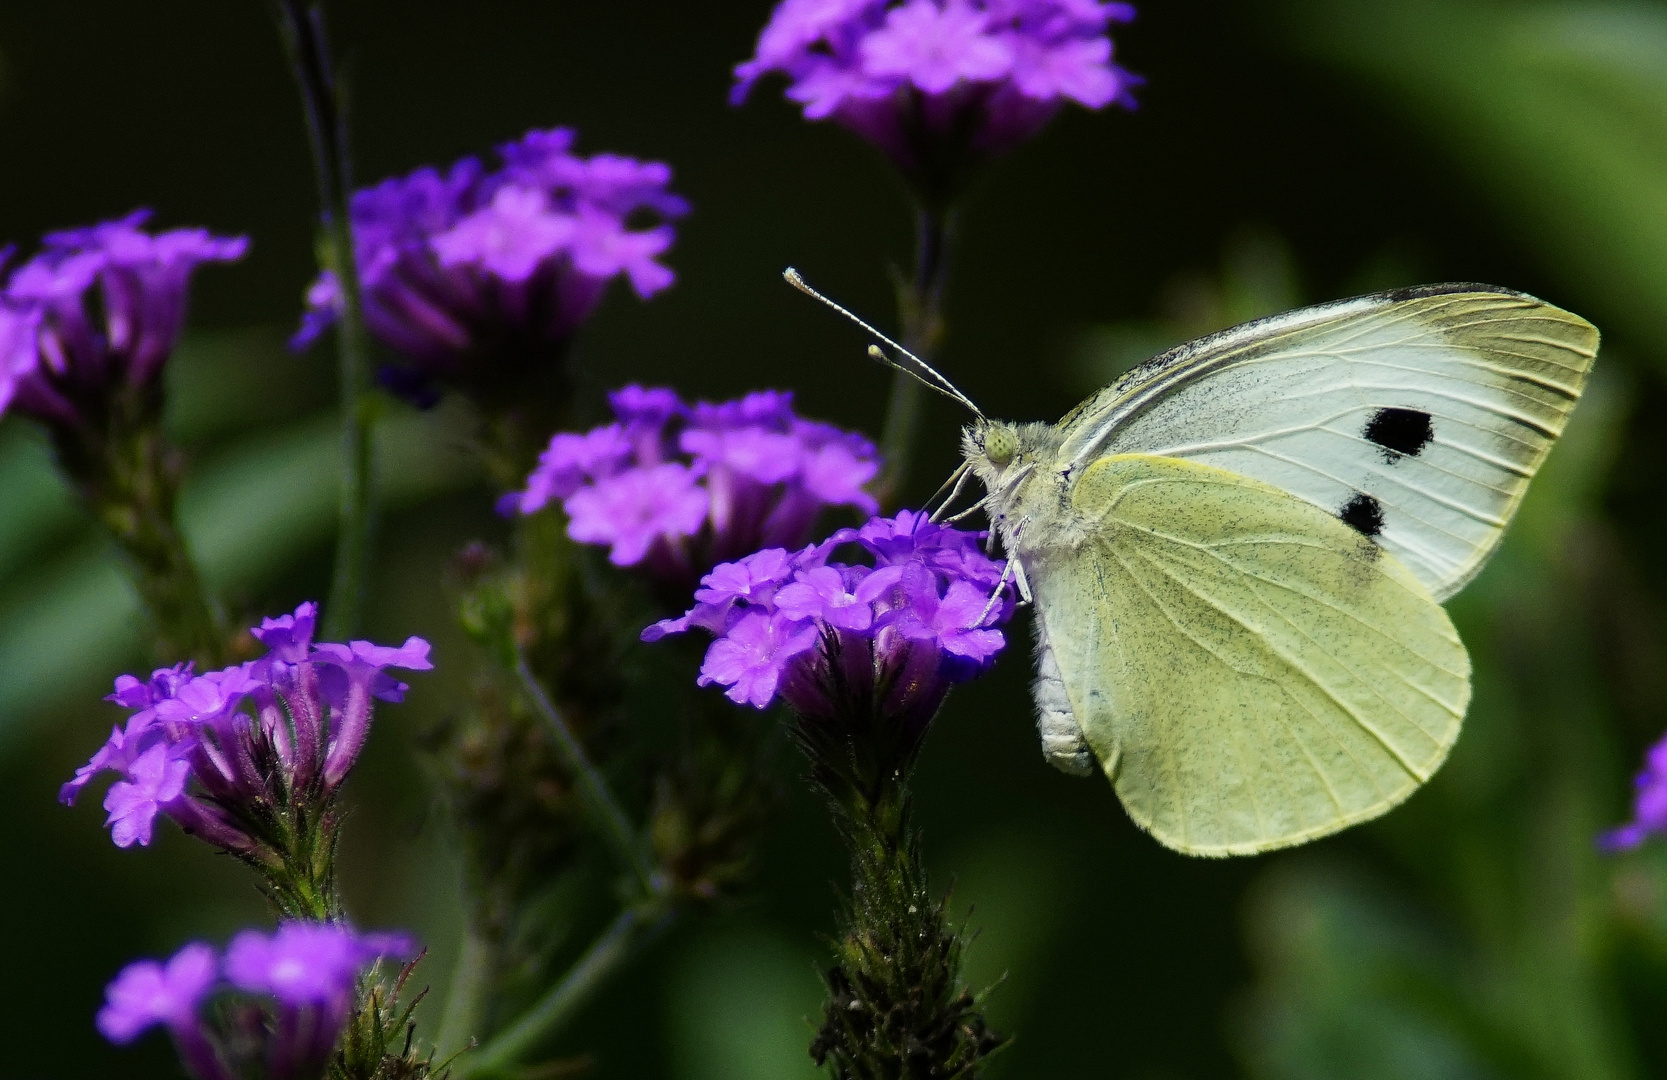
97, 309
300, 979
678, 488
912, 75
473, 263
285, 727
829, 637
1649, 810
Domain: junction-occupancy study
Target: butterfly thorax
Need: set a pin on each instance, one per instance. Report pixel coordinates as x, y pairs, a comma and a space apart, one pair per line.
1029, 487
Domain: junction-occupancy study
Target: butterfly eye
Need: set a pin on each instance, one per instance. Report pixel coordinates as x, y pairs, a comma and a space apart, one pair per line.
1000, 445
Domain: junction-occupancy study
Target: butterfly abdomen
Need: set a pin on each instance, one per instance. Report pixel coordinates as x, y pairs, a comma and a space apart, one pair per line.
1063, 743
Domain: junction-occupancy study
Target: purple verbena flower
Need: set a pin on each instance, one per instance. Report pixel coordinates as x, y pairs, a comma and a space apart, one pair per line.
679, 488
830, 637
471, 267
938, 84
308, 971
305, 963
1649, 808
154, 780
752, 655
147, 993
294, 990
217, 751
97, 311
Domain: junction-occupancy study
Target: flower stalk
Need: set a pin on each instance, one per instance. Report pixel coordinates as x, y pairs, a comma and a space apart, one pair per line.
920, 314
607, 817
632, 929
865, 656
896, 1007
302, 29
128, 475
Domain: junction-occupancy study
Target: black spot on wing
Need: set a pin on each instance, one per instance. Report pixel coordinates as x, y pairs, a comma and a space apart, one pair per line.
1400, 431
1363, 514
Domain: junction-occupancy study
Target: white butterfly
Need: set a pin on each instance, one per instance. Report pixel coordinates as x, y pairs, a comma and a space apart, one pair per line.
1237, 552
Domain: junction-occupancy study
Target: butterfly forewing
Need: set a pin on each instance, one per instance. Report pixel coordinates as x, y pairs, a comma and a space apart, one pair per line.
1416, 417
1250, 671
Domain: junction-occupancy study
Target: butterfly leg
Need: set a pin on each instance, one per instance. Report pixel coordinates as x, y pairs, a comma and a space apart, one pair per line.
1013, 561
1012, 570
955, 482
1021, 581
995, 597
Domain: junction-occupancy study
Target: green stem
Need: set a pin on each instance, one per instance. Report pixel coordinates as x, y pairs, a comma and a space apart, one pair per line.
634, 927
466, 1001
129, 476
302, 26
896, 992
920, 311
604, 809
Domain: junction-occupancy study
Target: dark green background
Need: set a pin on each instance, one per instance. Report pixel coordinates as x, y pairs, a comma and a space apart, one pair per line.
1473, 933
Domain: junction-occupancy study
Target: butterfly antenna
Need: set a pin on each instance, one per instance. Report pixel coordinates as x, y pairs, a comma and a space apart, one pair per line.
909, 362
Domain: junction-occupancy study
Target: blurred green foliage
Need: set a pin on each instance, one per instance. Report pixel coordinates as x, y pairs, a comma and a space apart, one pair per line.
1473, 933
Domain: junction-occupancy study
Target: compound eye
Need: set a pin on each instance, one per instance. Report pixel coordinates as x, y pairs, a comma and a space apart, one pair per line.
1000, 445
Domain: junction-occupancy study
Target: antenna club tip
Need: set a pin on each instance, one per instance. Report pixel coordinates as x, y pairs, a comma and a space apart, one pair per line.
793, 277
876, 352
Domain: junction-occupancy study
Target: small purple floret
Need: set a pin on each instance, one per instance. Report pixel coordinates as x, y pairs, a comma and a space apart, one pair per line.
147, 993
936, 80
751, 656
461, 268
679, 488
308, 963
154, 780
826, 636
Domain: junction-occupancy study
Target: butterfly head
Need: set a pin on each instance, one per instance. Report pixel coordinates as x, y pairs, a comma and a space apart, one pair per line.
1002, 453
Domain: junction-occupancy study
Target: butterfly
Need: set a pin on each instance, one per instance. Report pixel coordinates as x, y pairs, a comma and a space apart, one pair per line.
1238, 552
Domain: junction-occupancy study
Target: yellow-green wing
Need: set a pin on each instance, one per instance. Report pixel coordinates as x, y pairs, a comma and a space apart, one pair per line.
1250, 671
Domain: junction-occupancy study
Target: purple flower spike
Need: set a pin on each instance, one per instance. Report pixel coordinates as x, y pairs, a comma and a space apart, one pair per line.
97, 311
477, 267
215, 751
841, 639
147, 993
290, 995
939, 84
1649, 808
679, 488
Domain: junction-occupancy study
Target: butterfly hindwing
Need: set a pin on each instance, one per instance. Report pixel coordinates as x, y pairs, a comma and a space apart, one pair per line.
1250, 671
1416, 417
